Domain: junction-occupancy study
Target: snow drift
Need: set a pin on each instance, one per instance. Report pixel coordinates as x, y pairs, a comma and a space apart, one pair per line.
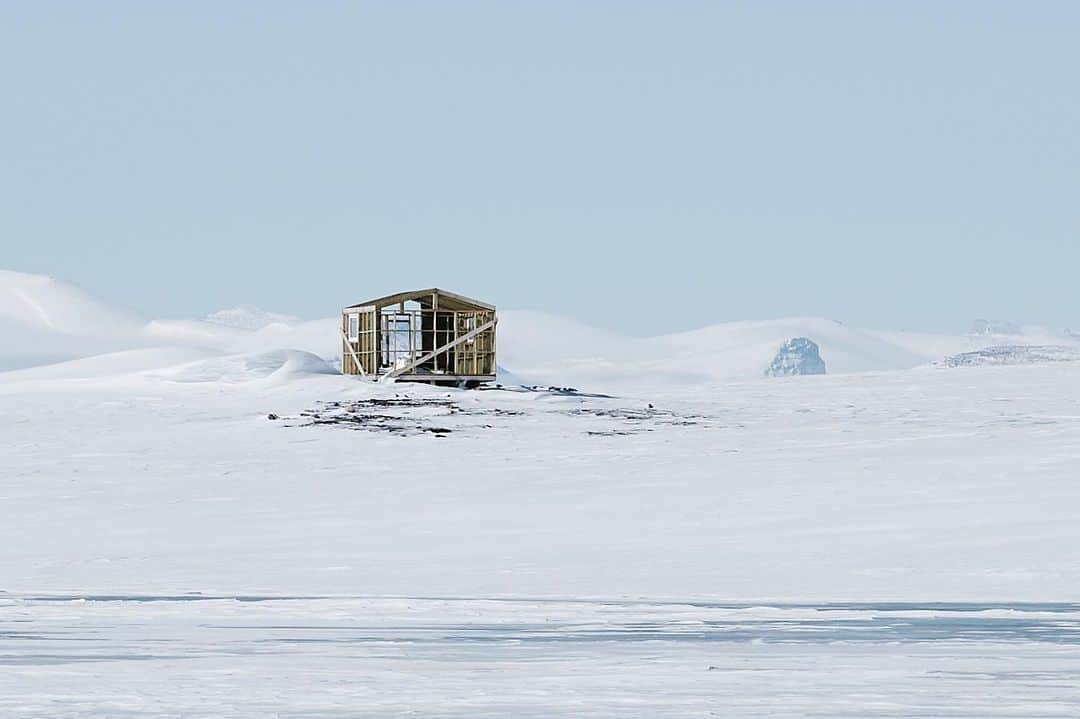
278, 365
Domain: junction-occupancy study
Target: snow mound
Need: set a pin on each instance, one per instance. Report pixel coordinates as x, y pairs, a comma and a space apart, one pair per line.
248, 317
1013, 355
320, 337
276, 365
797, 356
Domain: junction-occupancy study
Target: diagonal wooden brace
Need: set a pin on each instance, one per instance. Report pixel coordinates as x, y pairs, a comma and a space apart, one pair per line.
352, 352
440, 350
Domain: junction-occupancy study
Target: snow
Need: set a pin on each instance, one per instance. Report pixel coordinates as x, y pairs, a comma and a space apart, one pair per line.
43, 320
1014, 354
729, 351
110, 364
816, 488
249, 317
539, 552
47, 320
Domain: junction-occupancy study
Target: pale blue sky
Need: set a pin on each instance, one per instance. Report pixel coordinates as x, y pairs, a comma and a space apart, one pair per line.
645, 166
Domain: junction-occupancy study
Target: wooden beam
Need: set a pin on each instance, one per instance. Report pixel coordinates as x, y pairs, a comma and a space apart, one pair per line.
430, 378
452, 298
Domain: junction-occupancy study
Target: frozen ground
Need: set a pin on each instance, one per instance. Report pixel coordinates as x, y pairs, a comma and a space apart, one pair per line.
894, 543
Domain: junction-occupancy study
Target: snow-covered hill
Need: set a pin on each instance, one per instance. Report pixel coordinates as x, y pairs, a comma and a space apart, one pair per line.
45, 321
557, 350
39, 303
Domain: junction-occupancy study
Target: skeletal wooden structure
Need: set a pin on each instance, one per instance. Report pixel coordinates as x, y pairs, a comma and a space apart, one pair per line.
420, 336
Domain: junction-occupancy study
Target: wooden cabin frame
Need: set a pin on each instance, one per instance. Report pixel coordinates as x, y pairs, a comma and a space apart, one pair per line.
427, 335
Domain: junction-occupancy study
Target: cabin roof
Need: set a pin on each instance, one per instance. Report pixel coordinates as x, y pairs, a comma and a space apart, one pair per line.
446, 297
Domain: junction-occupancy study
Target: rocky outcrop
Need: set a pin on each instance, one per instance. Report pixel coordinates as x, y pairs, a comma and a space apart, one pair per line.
1012, 355
797, 356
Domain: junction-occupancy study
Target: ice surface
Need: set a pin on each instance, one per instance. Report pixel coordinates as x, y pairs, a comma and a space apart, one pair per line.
255, 656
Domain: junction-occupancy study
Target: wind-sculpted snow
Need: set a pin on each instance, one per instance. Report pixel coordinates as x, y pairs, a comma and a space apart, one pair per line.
41, 303
106, 366
47, 321
43, 320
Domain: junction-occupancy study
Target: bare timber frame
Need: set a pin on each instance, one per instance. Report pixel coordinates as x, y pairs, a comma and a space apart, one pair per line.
428, 335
